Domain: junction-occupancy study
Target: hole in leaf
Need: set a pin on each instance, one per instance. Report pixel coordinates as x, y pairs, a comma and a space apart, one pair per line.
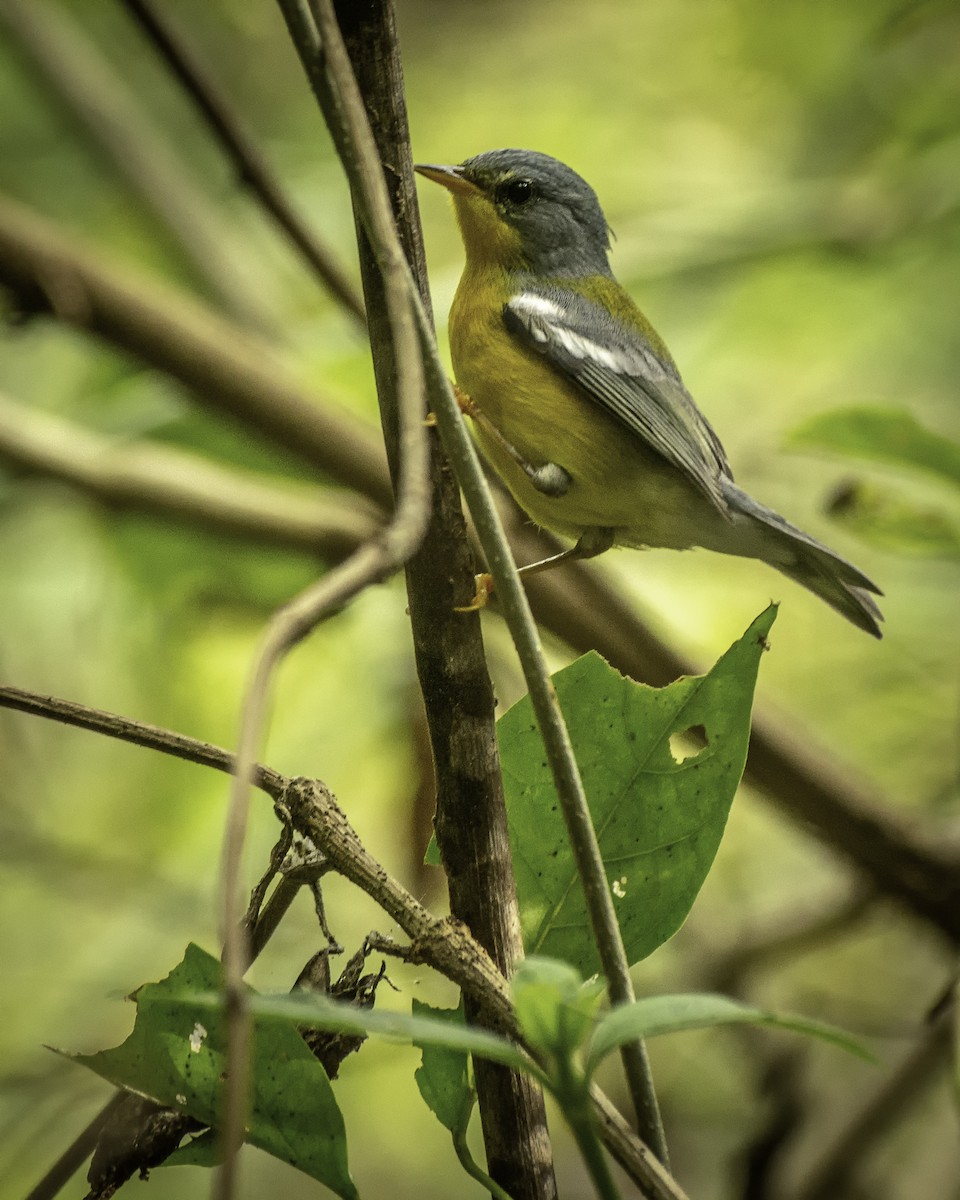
688, 743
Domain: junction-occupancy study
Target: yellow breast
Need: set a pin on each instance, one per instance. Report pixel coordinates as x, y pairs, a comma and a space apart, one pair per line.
618, 482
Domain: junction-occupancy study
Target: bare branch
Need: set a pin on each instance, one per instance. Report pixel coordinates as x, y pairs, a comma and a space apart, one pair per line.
563, 765
441, 943
447, 946
139, 733
467, 786
251, 166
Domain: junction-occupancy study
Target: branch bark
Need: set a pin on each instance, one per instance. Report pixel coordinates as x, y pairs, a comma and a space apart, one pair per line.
441, 943
185, 487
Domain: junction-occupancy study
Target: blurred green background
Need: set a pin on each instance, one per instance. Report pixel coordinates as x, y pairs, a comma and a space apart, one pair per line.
784, 185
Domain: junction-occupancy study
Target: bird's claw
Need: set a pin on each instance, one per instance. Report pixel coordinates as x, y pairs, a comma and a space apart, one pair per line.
484, 589
467, 405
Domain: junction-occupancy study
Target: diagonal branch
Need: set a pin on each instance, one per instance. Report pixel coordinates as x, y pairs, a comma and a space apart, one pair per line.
137, 733
251, 166
441, 943
229, 369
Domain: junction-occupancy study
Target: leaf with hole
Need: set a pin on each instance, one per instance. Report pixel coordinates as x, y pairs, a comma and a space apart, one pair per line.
659, 802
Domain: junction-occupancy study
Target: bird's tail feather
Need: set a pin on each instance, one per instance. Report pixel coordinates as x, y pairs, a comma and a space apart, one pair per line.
802, 558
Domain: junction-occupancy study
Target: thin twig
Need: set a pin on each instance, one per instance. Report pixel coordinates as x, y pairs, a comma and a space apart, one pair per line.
139, 733
520, 621
76, 1154
438, 942
447, 946
251, 166
470, 816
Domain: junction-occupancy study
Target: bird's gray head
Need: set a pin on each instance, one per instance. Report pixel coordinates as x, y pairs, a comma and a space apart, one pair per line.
556, 214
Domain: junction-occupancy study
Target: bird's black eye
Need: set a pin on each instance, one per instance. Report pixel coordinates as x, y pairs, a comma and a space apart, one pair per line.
516, 192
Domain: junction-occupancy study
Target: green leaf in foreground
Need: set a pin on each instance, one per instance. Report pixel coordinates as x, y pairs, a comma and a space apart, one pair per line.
885, 435
670, 1014
320, 1012
555, 1007
176, 1057
659, 816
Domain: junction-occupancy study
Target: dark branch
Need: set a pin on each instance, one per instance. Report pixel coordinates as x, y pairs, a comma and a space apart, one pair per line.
138, 733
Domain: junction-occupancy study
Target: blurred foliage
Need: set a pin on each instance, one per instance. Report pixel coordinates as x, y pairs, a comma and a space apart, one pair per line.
884, 511
784, 182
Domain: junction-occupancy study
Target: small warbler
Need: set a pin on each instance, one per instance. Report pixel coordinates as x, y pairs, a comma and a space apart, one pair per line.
575, 399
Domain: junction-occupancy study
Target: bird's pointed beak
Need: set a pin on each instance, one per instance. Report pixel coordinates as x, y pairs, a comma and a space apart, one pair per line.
449, 177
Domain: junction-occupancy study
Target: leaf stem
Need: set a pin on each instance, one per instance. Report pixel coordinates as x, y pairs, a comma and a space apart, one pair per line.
472, 1167
573, 1095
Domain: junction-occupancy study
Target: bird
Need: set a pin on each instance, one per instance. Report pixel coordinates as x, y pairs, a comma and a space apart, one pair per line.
575, 399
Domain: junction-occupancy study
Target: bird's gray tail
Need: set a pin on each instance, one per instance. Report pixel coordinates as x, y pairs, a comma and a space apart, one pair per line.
808, 561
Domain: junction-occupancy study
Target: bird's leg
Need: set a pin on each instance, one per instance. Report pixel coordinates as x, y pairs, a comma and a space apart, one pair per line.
592, 542
550, 478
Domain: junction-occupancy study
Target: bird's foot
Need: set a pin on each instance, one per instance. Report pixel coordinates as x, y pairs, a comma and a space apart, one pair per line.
484, 590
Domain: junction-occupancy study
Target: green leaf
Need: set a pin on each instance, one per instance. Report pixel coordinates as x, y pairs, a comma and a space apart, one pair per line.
670, 1014
176, 1056
885, 516
659, 820
887, 435
555, 1008
200, 1151
444, 1074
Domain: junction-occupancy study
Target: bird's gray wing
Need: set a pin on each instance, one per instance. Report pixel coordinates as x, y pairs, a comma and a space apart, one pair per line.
618, 369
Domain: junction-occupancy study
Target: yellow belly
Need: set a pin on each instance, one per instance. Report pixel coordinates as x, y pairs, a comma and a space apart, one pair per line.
617, 481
